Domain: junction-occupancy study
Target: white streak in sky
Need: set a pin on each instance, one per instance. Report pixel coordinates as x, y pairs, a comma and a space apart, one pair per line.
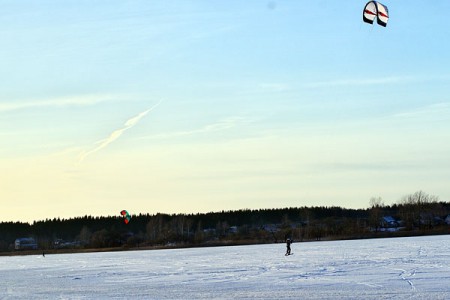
274, 87
436, 111
83, 100
359, 82
117, 133
224, 124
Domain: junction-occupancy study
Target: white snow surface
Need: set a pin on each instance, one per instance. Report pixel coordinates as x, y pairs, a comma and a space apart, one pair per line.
395, 268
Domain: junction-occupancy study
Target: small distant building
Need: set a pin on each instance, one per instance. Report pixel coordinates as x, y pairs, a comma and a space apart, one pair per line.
428, 219
233, 229
25, 244
447, 220
389, 222
59, 244
271, 227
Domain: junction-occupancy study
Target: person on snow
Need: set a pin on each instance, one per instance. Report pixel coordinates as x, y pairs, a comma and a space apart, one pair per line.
288, 246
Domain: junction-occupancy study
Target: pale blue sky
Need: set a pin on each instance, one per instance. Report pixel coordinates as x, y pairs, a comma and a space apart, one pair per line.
195, 106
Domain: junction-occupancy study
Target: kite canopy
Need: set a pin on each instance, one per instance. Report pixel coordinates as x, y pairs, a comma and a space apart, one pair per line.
375, 9
126, 216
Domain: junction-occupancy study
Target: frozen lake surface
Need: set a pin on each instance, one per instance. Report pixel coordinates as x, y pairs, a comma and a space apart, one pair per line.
397, 268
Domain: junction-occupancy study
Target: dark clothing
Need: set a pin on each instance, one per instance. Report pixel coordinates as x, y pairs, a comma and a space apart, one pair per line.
288, 246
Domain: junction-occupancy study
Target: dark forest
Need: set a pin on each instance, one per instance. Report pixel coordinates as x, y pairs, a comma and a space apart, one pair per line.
417, 214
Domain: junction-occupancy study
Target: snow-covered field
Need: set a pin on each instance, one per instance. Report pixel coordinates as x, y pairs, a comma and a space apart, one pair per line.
400, 268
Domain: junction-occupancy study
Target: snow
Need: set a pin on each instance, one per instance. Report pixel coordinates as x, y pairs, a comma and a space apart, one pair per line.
397, 268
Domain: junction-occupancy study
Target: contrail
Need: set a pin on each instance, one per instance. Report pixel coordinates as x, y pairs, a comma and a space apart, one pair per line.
117, 133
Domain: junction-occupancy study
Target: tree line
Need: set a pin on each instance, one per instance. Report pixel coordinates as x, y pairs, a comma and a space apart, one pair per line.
418, 213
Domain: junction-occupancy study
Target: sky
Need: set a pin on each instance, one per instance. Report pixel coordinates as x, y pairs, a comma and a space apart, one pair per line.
198, 106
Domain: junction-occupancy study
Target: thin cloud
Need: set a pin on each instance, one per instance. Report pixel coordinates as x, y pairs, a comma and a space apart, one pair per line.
358, 82
83, 100
117, 133
434, 111
274, 87
223, 124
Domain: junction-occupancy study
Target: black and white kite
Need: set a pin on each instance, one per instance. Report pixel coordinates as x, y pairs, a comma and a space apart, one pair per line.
375, 9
